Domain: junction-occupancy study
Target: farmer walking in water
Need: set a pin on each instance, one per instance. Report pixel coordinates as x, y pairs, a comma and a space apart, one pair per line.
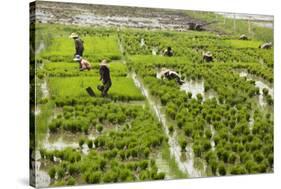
79, 46
105, 78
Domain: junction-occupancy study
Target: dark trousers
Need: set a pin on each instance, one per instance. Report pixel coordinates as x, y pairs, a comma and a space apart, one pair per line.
79, 52
105, 87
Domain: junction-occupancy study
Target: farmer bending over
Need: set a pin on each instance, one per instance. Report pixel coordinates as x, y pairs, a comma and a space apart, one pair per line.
84, 64
169, 74
105, 78
168, 52
79, 46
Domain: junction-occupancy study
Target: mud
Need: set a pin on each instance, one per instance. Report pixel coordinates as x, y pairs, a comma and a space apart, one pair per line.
120, 16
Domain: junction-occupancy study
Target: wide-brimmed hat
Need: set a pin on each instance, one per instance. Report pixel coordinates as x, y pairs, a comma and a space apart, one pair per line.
104, 62
77, 58
208, 53
73, 35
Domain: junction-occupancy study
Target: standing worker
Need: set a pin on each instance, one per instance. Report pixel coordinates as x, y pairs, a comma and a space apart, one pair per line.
105, 78
79, 46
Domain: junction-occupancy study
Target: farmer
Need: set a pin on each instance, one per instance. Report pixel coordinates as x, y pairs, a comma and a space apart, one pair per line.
79, 46
266, 46
84, 64
168, 52
207, 56
169, 74
243, 37
105, 78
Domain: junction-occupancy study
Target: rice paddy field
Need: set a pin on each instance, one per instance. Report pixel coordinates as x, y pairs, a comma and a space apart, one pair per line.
219, 122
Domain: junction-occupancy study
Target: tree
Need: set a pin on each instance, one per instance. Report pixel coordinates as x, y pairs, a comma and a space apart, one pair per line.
90, 143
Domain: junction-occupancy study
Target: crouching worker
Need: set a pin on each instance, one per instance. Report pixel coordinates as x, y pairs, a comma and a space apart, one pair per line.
207, 56
168, 52
169, 74
105, 78
84, 64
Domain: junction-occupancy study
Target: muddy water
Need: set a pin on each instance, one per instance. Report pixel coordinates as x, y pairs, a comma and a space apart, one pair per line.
62, 141
194, 87
42, 178
163, 166
186, 166
261, 84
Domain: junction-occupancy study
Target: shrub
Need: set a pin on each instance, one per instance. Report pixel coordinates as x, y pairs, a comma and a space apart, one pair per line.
99, 128
143, 164
90, 143
60, 172
159, 176
237, 170
109, 176
93, 177
73, 169
144, 175
258, 156
265, 91
70, 181
199, 97
183, 143
52, 172
222, 169
208, 133
188, 130
124, 174
81, 141
171, 129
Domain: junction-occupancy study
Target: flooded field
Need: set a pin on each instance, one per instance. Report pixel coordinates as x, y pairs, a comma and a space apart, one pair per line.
212, 123
186, 165
259, 83
197, 87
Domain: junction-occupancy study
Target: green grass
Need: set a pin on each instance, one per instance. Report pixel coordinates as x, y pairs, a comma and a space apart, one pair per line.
244, 43
75, 87
96, 48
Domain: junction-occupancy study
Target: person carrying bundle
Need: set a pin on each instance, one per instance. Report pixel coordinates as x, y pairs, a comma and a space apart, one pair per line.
105, 78
84, 64
79, 46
